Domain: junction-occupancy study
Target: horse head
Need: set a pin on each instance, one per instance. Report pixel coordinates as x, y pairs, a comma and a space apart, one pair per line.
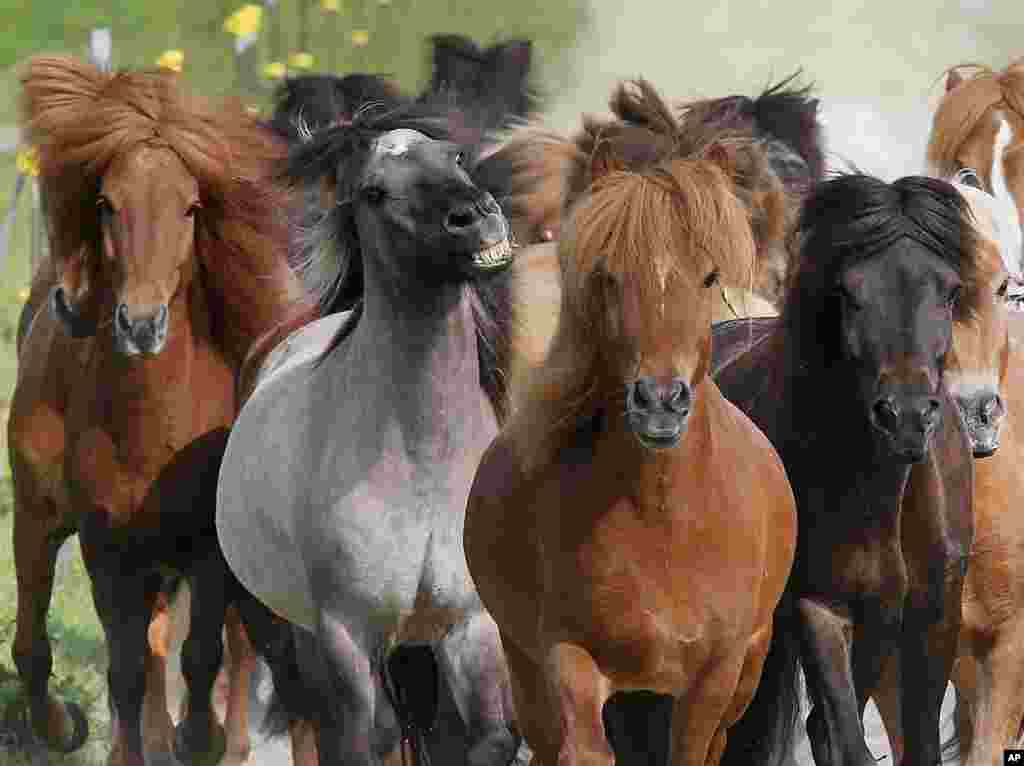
884, 271
405, 209
977, 366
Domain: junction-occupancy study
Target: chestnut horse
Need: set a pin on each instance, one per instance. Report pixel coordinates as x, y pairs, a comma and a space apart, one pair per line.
979, 124
630, 530
848, 385
169, 245
984, 375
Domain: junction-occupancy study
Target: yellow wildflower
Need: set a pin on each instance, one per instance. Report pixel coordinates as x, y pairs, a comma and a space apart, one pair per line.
274, 70
330, 6
172, 59
245, 21
360, 38
301, 60
27, 161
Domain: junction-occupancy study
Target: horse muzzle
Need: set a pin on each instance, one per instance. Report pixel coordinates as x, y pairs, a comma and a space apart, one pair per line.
479, 234
983, 415
905, 424
140, 336
658, 412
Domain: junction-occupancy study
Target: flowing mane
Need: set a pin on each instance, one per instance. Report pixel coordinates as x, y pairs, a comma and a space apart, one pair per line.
653, 203
81, 119
964, 107
853, 217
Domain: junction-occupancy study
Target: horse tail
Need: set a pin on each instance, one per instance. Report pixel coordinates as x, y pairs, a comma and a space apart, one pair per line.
764, 734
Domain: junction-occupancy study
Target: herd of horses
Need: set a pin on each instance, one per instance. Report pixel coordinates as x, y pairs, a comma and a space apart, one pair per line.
499, 444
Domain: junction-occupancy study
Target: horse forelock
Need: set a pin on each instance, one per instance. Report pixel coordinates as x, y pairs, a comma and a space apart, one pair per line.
659, 233
855, 217
82, 119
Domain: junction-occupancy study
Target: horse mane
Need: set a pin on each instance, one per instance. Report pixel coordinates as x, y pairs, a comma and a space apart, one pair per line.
492, 87
653, 198
314, 101
339, 155
853, 217
782, 111
81, 119
963, 108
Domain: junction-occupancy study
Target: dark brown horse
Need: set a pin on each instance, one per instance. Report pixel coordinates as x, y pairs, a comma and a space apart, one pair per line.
848, 385
630, 530
169, 242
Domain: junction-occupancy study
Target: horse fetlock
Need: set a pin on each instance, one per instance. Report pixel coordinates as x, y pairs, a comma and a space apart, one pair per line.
200, 740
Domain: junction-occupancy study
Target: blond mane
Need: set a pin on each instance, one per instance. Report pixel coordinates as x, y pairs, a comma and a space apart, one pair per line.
671, 219
964, 107
81, 119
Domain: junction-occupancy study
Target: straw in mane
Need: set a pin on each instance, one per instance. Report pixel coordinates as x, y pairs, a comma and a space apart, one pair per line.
81, 119
967, 110
655, 210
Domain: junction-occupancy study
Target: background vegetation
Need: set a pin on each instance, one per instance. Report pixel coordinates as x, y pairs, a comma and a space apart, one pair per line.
142, 30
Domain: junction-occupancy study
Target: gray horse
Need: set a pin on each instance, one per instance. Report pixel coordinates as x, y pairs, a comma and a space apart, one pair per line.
342, 493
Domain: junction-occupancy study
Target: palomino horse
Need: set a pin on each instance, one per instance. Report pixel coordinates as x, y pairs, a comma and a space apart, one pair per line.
979, 124
342, 493
630, 530
984, 375
169, 242
848, 385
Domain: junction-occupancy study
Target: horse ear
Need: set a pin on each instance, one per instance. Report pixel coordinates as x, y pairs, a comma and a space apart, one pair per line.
953, 79
602, 161
721, 155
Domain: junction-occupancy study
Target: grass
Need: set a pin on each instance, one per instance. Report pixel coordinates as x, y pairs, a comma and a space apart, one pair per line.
142, 30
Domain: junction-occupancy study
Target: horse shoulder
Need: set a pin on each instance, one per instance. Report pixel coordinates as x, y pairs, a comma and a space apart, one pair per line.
500, 534
757, 478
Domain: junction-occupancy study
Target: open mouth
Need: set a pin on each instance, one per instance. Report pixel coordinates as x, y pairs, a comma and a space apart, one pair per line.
659, 441
985, 450
494, 257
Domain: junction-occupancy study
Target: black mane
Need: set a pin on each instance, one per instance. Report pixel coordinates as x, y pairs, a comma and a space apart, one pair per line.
319, 100
852, 217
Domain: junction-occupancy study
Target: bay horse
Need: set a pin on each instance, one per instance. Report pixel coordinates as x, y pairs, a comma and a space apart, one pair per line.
630, 530
848, 385
342, 493
979, 124
169, 245
984, 376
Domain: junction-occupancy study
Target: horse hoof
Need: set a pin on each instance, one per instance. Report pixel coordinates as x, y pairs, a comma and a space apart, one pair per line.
217, 746
79, 729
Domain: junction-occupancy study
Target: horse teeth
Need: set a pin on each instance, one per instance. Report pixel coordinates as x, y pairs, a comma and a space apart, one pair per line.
496, 255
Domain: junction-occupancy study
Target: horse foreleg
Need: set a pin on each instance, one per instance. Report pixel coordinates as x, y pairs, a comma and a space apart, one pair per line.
581, 691
157, 727
834, 727
473, 663
124, 602
200, 737
887, 699
240, 665
998, 701
37, 539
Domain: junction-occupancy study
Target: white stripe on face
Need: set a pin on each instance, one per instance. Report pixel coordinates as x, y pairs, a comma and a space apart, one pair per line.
1010, 234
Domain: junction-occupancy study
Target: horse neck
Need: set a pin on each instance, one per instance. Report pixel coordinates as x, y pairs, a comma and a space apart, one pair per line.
415, 348
654, 481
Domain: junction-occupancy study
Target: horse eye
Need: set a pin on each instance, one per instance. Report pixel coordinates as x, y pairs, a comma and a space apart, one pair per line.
193, 209
460, 158
103, 205
373, 194
954, 296
1003, 288
711, 278
969, 177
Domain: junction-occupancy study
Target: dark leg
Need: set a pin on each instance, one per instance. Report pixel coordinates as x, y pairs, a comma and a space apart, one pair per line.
473, 662
37, 539
200, 737
124, 602
834, 727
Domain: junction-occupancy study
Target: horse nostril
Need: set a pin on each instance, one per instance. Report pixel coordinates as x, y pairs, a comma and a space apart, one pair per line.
460, 219
678, 399
643, 394
991, 408
886, 413
930, 412
124, 324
